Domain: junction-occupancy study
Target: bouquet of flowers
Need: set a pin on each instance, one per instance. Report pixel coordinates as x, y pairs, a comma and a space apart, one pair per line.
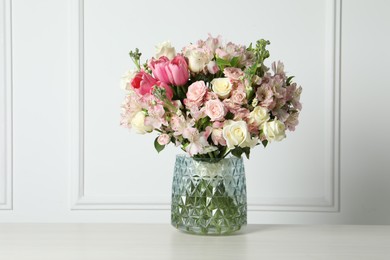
211, 99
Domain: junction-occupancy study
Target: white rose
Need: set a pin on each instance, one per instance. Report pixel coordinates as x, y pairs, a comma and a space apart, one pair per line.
274, 130
222, 87
236, 134
165, 49
127, 78
197, 59
138, 123
259, 115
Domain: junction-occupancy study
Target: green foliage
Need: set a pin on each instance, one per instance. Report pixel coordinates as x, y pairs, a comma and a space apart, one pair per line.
179, 93
238, 151
289, 80
260, 54
202, 123
229, 116
235, 61
158, 146
135, 57
222, 64
161, 94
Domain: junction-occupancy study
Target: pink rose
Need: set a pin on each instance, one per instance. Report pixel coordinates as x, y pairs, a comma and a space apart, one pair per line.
210, 95
196, 92
241, 114
218, 124
215, 109
143, 82
238, 97
163, 139
173, 72
231, 106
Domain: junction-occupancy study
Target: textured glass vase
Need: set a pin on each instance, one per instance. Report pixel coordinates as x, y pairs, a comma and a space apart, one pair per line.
208, 196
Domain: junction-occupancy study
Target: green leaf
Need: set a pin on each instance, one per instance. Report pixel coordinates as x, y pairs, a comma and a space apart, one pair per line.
237, 151
289, 79
234, 62
203, 123
222, 63
158, 146
247, 151
229, 116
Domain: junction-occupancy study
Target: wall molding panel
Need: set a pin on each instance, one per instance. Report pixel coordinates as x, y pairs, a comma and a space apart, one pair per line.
6, 107
329, 202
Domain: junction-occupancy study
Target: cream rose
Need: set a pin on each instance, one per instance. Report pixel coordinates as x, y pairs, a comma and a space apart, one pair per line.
197, 59
259, 115
222, 87
274, 130
236, 134
165, 49
138, 124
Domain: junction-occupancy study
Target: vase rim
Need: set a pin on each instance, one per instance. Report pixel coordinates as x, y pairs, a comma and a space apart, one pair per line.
228, 158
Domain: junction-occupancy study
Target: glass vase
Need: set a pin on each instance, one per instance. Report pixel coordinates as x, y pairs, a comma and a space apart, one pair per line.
208, 195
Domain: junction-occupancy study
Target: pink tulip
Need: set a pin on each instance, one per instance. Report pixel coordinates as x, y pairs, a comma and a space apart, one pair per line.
158, 68
177, 71
173, 72
143, 82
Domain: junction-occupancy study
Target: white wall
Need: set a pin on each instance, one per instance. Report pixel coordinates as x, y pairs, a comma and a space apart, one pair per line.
73, 163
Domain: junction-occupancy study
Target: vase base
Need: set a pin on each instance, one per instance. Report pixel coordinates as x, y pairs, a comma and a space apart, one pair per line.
210, 231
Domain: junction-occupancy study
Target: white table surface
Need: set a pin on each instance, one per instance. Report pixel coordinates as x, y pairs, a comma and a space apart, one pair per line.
160, 242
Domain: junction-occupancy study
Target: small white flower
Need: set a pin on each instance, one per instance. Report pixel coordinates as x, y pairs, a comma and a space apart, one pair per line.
255, 101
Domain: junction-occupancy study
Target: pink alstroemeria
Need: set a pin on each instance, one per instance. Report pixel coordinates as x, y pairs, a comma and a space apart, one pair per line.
173, 72
198, 141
